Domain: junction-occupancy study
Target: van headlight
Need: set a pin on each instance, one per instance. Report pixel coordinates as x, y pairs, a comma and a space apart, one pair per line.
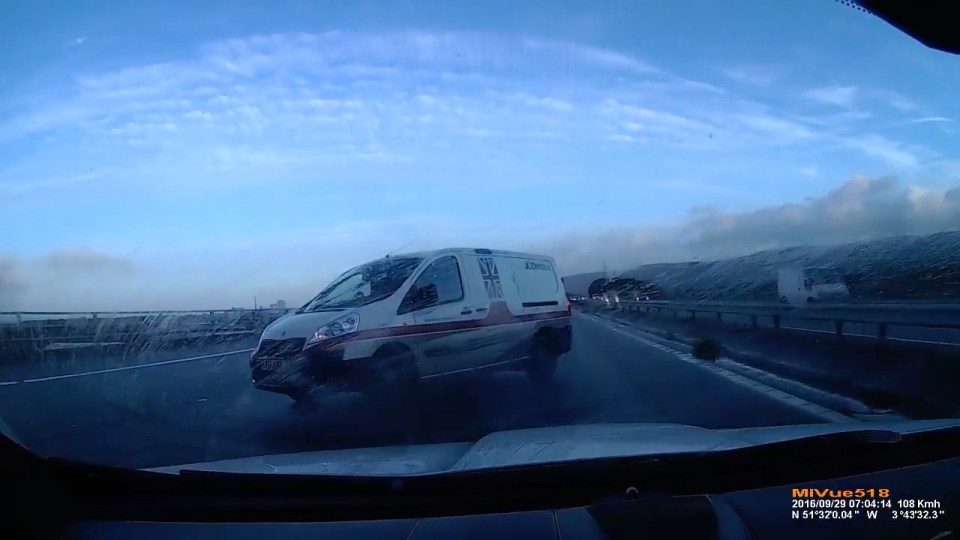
337, 327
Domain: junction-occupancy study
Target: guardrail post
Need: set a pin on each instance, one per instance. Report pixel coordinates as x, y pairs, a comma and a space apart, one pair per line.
776, 322
839, 326
719, 317
882, 331
753, 321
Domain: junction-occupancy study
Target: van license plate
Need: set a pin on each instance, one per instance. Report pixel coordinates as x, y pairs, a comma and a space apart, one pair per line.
272, 364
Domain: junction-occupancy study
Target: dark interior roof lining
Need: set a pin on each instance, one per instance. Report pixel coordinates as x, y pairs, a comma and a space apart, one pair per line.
928, 21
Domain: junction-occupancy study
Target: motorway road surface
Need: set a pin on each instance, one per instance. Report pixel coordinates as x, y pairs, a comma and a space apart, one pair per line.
206, 408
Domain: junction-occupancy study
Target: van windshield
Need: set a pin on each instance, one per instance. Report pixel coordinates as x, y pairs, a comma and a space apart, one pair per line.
365, 284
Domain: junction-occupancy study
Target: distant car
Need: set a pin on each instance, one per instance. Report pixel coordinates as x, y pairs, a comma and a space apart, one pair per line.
383, 326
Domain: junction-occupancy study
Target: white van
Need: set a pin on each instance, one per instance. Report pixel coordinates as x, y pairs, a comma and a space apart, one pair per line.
807, 285
383, 326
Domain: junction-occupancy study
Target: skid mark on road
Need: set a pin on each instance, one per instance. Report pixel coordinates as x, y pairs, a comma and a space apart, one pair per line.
819, 411
125, 368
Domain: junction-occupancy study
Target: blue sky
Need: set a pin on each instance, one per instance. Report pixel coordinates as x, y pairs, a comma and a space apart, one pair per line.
195, 154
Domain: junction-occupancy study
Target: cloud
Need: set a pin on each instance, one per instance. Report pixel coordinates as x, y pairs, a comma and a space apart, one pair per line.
11, 282
79, 279
750, 75
194, 275
288, 106
388, 123
776, 128
894, 153
931, 119
839, 96
860, 209
292, 104
85, 261
197, 277
696, 186
78, 41
898, 101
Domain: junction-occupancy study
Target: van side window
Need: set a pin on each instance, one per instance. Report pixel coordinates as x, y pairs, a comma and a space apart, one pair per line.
439, 284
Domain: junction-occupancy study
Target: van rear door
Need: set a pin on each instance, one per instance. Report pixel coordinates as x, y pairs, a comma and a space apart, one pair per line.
538, 285
531, 288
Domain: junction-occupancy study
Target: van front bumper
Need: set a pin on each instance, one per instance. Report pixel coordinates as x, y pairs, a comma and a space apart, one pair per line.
304, 370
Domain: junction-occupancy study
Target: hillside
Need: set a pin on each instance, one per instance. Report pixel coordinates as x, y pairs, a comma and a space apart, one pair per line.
579, 283
905, 267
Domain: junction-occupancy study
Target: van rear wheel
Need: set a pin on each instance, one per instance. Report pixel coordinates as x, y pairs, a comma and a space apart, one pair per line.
542, 363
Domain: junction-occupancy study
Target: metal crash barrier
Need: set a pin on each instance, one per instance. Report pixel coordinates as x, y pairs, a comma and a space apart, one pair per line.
883, 315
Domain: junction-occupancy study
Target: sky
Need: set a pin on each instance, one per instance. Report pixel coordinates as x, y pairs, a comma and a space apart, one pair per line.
199, 155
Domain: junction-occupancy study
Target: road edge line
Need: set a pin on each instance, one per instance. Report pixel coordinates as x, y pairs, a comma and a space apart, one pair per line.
820, 411
125, 368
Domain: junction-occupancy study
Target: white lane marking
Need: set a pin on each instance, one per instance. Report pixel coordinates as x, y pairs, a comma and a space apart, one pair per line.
125, 368
476, 369
819, 411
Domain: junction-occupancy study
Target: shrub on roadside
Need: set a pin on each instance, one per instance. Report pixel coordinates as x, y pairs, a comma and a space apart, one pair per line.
707, 349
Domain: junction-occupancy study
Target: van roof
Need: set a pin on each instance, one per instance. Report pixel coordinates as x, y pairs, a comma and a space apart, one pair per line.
472, 251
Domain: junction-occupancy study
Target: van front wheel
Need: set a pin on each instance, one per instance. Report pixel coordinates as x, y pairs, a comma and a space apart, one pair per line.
392, 386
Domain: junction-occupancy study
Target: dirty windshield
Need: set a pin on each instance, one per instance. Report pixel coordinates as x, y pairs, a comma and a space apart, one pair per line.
365, 284
343, 232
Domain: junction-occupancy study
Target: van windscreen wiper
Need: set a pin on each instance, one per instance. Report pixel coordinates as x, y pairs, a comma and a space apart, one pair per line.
322, 308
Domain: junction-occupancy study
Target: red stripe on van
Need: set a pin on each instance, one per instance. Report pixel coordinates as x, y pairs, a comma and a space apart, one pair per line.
499, 315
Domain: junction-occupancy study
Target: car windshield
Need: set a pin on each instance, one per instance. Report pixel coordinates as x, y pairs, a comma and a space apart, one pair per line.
365, 284
556, 215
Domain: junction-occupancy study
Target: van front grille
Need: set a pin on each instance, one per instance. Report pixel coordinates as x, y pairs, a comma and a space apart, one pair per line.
279, 349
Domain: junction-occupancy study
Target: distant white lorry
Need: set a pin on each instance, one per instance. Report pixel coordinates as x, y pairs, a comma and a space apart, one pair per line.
807, 285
